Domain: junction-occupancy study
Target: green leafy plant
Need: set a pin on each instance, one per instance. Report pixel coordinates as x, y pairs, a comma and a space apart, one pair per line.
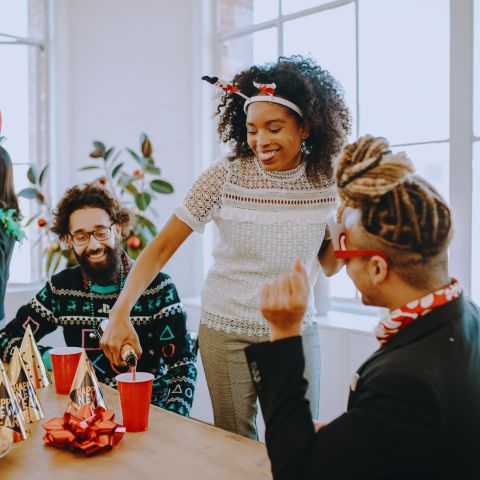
134, 188
53, 249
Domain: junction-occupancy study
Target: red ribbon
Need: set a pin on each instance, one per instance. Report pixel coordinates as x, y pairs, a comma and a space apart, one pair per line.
86, 430
266, 90
231, 88
228, 87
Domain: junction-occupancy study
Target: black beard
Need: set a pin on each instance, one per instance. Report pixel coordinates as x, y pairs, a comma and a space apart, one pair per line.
106, 272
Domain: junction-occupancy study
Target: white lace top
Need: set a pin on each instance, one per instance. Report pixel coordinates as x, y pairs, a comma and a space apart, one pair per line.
266, 220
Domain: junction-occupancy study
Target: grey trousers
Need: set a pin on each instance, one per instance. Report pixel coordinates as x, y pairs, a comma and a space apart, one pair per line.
230, 385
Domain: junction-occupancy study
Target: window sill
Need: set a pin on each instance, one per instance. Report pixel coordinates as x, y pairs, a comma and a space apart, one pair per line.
348, 321
335, 320
24, 287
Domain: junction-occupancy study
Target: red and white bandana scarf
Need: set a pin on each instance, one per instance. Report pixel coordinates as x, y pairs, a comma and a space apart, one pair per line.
399, 318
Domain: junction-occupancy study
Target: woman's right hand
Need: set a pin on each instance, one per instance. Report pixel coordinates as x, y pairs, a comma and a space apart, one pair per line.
119, 332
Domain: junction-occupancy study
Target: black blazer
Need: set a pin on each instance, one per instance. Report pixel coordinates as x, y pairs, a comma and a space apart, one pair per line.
414, 412
6, 249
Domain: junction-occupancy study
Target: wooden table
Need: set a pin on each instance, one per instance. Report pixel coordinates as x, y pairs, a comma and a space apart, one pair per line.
173, 448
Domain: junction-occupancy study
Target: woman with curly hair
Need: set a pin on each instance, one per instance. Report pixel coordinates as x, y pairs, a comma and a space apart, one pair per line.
270, 199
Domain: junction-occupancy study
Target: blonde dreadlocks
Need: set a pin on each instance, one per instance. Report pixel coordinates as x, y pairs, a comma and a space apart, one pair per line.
402, 213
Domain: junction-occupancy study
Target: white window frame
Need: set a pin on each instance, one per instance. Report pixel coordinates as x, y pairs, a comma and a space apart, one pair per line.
461, 139
38, 101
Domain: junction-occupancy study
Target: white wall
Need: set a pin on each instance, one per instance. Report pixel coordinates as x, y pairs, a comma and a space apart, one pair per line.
120, 68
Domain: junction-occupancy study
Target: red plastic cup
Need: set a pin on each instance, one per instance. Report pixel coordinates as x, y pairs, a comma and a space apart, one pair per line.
64, 363
135, 397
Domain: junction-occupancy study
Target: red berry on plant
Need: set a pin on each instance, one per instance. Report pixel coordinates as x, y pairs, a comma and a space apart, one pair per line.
133, 242
138, 174
41, 222
103, 181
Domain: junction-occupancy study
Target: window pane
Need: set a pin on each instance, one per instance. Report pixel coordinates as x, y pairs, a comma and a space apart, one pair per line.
23, 97
13, 17
290, 6
333, 48
476, 66
21, 264
404, 69
242, 13
341, 286
265, 46
432, 163
14, 101
243, 52
476, 224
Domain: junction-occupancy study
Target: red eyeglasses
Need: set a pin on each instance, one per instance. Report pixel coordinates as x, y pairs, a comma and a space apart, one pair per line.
342, 251
339, 239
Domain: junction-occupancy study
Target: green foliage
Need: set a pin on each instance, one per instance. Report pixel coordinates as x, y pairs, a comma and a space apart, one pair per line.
32, 174
161, 186
29, 193
54, 252
142, 200
37, 181
136, 189
11, 224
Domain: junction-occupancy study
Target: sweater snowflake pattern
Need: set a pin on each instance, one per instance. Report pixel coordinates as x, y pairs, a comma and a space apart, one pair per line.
158, 318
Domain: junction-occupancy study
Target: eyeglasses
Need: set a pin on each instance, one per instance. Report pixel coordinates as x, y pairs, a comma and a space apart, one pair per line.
342, 252
339, 239
83, 238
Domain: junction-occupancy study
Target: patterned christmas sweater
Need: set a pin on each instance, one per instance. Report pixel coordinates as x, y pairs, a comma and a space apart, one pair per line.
158, 318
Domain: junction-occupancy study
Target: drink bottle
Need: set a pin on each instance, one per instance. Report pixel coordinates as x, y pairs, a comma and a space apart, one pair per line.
127, 353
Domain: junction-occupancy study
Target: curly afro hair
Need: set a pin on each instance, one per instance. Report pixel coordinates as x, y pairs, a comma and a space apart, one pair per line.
88, 196
313, 89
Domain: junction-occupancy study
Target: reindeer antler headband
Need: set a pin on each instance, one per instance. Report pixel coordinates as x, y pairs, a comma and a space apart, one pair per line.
267, 93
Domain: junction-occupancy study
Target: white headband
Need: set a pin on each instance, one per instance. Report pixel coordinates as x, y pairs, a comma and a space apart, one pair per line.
272, 99
267, 93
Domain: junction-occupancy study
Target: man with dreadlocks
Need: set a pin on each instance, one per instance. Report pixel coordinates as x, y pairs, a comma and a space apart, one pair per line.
414, 406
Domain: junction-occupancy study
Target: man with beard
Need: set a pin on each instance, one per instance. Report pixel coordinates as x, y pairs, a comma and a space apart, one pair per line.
92, 223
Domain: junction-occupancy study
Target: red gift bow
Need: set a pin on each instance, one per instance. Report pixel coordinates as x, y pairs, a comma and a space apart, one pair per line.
86, 430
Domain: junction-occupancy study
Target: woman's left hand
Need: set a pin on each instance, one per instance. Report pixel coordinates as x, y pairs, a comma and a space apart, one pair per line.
330, 264
284, 302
